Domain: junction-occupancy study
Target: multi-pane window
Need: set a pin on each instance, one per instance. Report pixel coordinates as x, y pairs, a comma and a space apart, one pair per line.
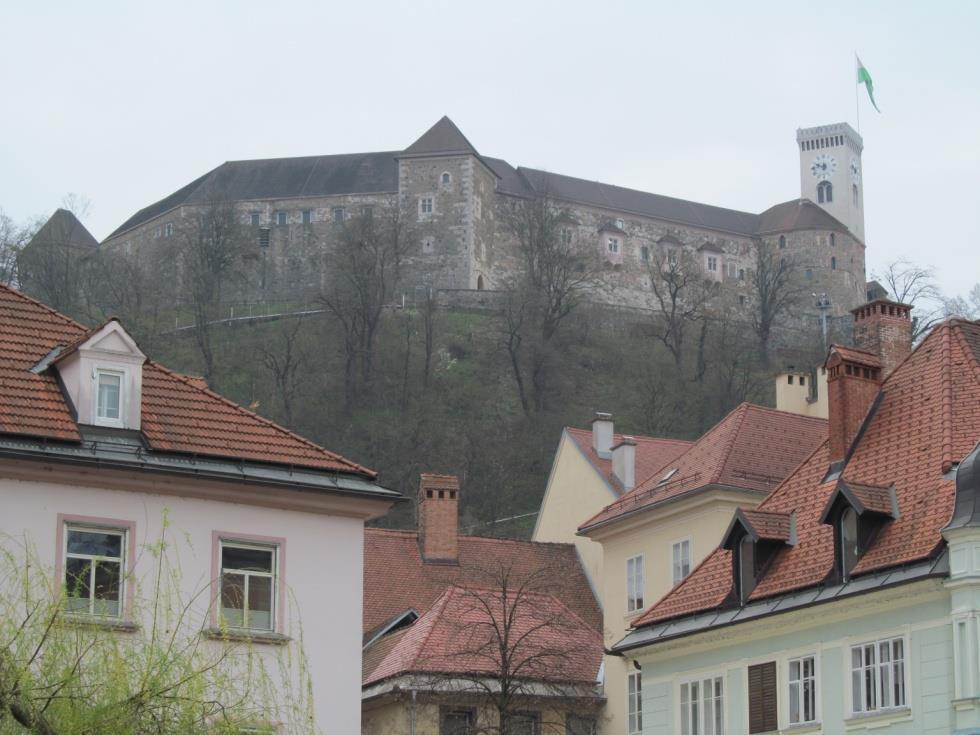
634, 583
367, 211
338, 215
281, 218
681, 554
802, 690
523, 723
612, 244
248, 585
94, 570
307, 216
825, 192
672, 256
456, 721
255, 218
878, 675
703, 707
579, 725
168, 229
425, 205
712, 263
634, 702
644, 253
108, 396
566, 236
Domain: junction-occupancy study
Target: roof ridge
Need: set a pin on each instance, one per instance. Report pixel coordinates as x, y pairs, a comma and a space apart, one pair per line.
947, 399
638, 437
441, 602
272, 424
741, 410
780, 412
961, 338
45, 307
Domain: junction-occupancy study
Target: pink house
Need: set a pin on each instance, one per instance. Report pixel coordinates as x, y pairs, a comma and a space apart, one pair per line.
103, 453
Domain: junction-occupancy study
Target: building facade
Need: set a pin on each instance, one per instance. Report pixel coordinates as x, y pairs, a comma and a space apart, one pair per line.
847, 600
453, 206
139, 496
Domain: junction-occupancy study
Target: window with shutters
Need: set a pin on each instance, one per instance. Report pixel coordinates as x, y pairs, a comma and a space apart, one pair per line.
634, 583
763, 714
801, 679
634, 701
703, 706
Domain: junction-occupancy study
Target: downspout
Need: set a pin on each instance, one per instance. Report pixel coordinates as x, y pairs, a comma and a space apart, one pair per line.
411, 716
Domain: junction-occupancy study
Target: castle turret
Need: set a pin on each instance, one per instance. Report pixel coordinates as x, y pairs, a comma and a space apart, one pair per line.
830, 172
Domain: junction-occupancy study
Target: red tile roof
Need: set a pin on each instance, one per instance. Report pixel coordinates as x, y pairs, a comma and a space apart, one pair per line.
767, 525
927, 419
396, 579
179, 414
652, 454
736, 452
458, 635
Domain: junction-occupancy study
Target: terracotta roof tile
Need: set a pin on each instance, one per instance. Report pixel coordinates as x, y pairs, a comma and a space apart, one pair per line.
928, 418
179, 414
652, 454
769, 526
736, 452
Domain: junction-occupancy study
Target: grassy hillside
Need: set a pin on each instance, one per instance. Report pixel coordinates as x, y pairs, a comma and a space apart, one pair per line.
466, 419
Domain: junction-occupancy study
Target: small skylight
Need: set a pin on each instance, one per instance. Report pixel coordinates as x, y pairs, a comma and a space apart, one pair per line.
670, 473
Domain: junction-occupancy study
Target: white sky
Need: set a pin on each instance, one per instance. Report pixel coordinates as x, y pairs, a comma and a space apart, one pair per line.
125, 102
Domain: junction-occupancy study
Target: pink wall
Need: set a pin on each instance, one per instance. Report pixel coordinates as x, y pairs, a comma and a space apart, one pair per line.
323, 571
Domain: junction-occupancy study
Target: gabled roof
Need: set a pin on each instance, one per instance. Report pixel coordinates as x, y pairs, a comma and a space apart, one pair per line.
737, 453
455, 636
925, 422
63, 227
652, 454
397, 579
761, 526
179, 415
443, 138
863, 499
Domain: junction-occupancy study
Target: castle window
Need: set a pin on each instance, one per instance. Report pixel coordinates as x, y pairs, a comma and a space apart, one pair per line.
672, 256
620, 224
741, 300
712, 264
428, 244
479, 283
367, 211
566, 236
731, 270
281, 218
168, 229
644, 253
446, 179
833, 240
612, 244
338, 215
307, 216
789, 379
808, 274
264, 237
425, 206
255, 218
854, 193
782, 242
825, 192
741, 274
833, 263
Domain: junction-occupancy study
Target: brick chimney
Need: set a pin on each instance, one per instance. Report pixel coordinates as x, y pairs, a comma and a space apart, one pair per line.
602, 434
438, 518
624, 462
884, 328
853, 382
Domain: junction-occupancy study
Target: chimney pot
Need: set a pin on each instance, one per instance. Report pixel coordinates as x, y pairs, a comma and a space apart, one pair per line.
602, 434
884, 328
438, 517
624, 462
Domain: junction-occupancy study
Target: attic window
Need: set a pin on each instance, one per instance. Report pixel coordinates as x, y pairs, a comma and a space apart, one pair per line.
108, 397
857, 513
670, 473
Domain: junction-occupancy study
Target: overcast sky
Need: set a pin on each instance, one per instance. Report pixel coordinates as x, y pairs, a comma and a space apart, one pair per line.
125, 102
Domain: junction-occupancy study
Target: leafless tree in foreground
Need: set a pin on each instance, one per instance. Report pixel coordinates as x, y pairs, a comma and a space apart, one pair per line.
284, 359
775, 291
683, 295
511, 645
915, 285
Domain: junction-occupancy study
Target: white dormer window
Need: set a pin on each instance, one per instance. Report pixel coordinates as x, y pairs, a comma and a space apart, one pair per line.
613, 244
108, 398
620, 224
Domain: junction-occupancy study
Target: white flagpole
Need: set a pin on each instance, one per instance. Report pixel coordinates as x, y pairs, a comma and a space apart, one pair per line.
857, 96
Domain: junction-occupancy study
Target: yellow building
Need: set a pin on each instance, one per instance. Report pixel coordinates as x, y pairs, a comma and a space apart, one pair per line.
652, 531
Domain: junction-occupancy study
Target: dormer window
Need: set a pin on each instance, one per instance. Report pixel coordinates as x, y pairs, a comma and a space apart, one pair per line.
848, 541
746, 568
857, 513
755, 537
108, 397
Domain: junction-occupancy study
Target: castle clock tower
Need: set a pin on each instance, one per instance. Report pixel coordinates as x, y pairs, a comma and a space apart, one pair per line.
831, 174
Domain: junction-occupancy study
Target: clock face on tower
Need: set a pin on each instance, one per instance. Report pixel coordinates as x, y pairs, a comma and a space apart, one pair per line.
823, 166
855, 170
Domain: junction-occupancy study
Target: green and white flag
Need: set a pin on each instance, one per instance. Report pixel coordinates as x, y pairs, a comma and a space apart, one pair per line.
863, 77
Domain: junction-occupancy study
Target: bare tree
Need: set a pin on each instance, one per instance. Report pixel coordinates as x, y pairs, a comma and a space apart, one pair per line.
915, 285
208, 247
284, 360
682, 294
13, 237
556, 275
510, 641
775, 291
965, 307
361, 282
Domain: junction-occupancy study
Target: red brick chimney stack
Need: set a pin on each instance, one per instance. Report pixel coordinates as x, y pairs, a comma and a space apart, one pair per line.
853, 381
438, 518
884, 328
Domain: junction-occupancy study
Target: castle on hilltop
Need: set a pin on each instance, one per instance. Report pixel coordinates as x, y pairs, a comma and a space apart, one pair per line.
455, 199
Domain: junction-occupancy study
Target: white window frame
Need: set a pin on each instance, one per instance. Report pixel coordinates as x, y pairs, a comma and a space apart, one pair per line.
274, 575
338, 215
427, 206
306, 217
102, 420
635, 583
679, 543
123, 533
281, 217
566, 235
717, 703
712, 263
612, 245
877, 667
787, 689
634, 702
168, 229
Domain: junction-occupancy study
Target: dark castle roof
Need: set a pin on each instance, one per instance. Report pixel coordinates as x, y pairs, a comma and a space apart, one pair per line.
63, 227
375, 173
